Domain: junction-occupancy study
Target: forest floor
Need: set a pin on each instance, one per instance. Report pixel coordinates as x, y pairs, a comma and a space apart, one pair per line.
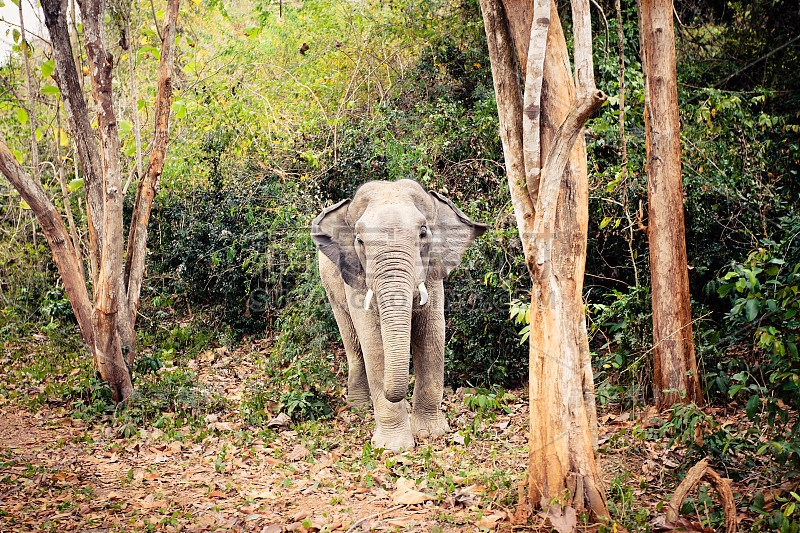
60, 473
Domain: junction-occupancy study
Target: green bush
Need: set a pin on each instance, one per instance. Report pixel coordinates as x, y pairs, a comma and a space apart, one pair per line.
482, 346
231, 246
763, 292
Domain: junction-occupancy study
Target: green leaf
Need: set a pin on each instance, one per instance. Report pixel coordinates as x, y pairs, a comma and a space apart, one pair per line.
16, 35
51, 90
24, 205
179, 108
125, 128
792, 349
39, 134
723, 290
605, 222
252, 31
47, 68
751, 308
752, 406
22, 116
75, 185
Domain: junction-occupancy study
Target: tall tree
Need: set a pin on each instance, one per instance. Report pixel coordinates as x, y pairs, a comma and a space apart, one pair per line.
545, 156
107, 324
675, 377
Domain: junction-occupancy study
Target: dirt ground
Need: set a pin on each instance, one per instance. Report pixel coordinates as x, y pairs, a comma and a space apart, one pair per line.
59, 474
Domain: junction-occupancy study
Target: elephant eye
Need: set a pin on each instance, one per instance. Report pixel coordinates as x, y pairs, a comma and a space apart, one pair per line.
358, 239
423, 232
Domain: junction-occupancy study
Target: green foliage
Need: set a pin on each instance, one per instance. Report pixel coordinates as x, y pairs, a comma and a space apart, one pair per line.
304, 405
485, 400
231, 248
786, 518
763, 292
481, 348
621, 334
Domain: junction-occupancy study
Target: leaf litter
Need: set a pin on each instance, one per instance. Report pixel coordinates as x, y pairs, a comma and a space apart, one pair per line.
219, 473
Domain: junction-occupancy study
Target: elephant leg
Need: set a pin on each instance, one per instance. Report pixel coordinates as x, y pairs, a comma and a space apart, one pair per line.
392, 424
357, 384
427, 348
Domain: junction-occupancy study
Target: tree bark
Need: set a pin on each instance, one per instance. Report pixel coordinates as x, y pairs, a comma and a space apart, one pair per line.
509, 109
111, 302
55, 18
552, 217
148, 186
675, 377
55, 232
561, 382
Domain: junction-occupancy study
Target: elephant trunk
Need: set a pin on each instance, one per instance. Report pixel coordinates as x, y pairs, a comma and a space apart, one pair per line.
394, 289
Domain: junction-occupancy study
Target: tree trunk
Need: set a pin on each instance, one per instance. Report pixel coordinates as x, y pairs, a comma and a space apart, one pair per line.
562, 463
56, 234
675, 377
552, 216
108, 325
55, 18
148, 184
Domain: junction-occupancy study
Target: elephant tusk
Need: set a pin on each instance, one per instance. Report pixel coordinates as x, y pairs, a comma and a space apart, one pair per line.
423, 294
367, 300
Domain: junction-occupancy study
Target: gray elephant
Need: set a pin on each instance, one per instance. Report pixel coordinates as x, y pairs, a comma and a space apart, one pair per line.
382, 258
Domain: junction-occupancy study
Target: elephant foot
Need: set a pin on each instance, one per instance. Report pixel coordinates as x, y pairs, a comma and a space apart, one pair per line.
358, 398
392, 426
425, 425
396, 442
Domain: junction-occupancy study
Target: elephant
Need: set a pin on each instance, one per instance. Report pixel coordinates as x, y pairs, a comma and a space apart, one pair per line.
383, 256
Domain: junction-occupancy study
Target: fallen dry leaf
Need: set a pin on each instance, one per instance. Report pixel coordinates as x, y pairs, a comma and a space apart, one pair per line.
298, 452
490, 521
280, 421
562, 520
406, 493
262, 494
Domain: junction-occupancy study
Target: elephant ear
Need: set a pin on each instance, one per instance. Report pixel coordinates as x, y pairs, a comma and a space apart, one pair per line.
335, 238
452, 234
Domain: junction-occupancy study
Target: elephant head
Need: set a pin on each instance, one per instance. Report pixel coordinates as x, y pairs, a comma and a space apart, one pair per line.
389, 240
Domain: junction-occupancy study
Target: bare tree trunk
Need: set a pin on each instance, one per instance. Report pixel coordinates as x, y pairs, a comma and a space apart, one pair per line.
148, 186
675, 376
110, 293
55, 18
563, 422
56, 234
31, 101
562, 451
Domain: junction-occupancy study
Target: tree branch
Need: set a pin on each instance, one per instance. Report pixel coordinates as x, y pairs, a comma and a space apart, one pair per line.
509, 107
553, 169
534, 75
55, 18
137, 235
56, 234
